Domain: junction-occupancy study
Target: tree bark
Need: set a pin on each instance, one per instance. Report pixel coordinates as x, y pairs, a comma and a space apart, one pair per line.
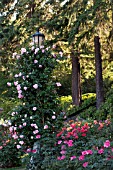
99, 78
76, 87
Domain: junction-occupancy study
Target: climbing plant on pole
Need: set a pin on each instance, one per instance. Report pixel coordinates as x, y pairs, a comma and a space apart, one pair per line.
39, 109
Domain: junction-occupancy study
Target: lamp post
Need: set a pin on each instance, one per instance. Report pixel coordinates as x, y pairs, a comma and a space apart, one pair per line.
38, 38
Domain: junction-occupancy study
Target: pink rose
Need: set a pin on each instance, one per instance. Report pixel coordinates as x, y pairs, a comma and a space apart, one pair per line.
25, 88
100, 151
21, 142
58, 84
35, 86
72, 157
35, 61
16, 83
18, 146
36, 50
8, 83
107, 144
38, 136
81, 157
85, 164
46, 127
34, 108
23, 50
18, 57
53, 117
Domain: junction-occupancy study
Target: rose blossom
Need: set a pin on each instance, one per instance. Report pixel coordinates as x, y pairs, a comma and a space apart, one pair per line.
43, 51
53, 117
16, 75
107, 144
58, 84
23, 50
16, 83
25, 88
40, 66
8, 83
21, 142
81, 157
38, 136
34, 108
21, 136
14, 54
36, 50
19, 91
100, 151
45, 126
85, 164
24, 124
35, 132
18, 57
20, 96
18, 146
59, 142
35, 61
1, 147
18, 87
35, 86
72, 157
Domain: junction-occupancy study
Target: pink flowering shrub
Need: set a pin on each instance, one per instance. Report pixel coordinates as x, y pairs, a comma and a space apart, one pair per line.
37, 116
80, 145
9, 156
84, 145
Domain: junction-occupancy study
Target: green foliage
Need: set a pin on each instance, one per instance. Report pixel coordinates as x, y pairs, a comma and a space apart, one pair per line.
87, 109
78, 145
37, 115
7, 99
72, 110
106, 109
9, 156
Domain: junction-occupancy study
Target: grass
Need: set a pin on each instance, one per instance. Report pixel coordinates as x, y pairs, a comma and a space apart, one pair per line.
16, 168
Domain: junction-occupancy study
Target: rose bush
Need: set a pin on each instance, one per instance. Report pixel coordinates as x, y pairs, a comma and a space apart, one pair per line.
85, 145
38, 115
9, 155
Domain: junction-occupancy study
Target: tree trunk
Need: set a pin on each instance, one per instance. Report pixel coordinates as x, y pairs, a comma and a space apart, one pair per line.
76, 88
99, 79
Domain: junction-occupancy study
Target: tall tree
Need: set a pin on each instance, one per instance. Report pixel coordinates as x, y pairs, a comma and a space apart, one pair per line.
76, 86
99, 78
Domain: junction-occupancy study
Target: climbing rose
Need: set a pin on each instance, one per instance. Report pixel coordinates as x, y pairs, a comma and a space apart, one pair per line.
58, 84
23, 50
35, 86
8, 83
34, 108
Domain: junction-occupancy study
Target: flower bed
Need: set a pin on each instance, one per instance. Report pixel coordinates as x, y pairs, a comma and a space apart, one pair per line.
85, 145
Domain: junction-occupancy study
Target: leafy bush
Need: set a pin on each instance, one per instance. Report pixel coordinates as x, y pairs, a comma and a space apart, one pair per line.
106, 109
79, 145
88, 103
9, 156
37, 116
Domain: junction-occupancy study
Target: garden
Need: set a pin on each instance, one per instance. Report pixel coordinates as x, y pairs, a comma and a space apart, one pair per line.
56, 85
40, 131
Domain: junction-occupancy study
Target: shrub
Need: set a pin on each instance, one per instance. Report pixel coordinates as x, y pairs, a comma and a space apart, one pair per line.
80, 145
9, 156
37, 117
